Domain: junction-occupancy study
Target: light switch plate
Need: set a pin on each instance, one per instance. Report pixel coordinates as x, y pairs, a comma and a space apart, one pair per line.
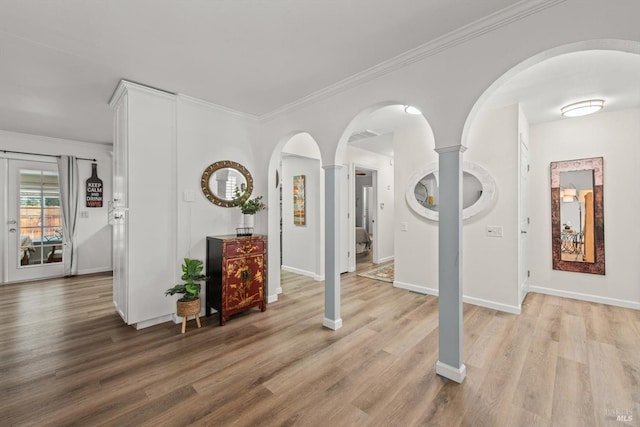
84, 214
188, 196
494, 231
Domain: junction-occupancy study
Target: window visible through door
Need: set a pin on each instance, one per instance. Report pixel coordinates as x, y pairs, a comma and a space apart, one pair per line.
40, 218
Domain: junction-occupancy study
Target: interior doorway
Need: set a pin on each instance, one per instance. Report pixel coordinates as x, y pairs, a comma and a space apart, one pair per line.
365, 188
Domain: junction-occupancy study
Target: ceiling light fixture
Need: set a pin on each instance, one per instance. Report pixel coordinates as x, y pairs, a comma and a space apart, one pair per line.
582, 108
410, 109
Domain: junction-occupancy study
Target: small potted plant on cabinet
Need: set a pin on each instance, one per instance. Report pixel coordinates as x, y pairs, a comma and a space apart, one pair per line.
189, 304
248, 207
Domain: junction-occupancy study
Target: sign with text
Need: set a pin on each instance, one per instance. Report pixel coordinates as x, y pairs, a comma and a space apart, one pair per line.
94, 188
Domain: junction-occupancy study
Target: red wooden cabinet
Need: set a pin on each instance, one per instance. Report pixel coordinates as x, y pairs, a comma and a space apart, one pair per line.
237, 274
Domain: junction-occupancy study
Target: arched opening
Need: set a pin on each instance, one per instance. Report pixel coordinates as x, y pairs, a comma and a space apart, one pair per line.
380, 149
519, 117
296, 211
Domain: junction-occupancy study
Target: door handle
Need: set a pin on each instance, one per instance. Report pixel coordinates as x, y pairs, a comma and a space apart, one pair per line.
523, 232
12, 230
13, 221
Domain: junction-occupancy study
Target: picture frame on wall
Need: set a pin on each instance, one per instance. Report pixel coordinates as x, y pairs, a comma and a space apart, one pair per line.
299, 210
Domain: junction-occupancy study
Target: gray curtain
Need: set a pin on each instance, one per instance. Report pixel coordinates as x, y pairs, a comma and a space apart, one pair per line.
69, 194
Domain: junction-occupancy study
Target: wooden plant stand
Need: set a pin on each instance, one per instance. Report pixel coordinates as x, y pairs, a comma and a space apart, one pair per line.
189, 308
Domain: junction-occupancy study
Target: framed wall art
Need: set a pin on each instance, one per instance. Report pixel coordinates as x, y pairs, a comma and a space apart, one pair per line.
299, 212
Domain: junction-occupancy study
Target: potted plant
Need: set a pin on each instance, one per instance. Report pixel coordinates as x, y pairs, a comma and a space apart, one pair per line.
248, 207
189, 303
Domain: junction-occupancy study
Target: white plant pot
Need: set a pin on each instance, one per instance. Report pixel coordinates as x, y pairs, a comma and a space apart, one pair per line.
248, 220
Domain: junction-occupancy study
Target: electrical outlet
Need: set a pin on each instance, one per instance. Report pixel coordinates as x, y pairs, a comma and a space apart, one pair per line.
404, 226
494, 231
84, 214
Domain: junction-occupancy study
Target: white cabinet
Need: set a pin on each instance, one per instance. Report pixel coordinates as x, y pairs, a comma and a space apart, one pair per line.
144, 203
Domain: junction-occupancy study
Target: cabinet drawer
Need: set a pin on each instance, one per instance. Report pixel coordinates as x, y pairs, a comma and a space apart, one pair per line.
240, 248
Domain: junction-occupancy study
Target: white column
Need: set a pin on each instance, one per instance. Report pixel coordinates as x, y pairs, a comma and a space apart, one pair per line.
332, 318
450, 265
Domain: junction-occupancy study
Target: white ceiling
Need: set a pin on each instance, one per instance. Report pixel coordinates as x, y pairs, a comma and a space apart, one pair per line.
548, 86
61, 60
541, 90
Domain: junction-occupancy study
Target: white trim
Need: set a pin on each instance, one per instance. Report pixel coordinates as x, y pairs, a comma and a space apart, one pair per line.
586, 297
484, 203
492, 22
216, 107
151, 322
278, 290
106, 146
272, 298
332, 324
467, 299
455, 374
415, 288
451, 149
298, 271
385, 259
506, 308
95, 270
126, 85
318, 277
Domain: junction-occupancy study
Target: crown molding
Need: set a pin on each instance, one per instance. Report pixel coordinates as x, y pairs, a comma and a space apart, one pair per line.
11, 135
216, 107
489, 23
126, 85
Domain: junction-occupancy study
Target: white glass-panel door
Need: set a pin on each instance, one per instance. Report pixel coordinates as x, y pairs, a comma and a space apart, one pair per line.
34, 245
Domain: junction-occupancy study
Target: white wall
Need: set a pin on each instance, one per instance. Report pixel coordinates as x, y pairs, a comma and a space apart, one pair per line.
207, 134
301, 243
416, 258
614, 136
489, 264
94, 233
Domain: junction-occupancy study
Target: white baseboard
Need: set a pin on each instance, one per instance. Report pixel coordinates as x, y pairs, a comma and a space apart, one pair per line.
299, 271
455, 374
415, 288
95, 270
586, 297
469, 300
385, 259
278, 290
272, 298
155, 321
318, 278
332, 324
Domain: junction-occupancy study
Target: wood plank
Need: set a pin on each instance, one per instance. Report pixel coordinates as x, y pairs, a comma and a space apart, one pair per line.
573, 338
67, 359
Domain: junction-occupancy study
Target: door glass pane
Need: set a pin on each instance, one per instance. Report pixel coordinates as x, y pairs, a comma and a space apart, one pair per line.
40, 218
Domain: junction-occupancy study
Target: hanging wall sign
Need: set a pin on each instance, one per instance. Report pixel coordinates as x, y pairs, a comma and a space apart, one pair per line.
94, 188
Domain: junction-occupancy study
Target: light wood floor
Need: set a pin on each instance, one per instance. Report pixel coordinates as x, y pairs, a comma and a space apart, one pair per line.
66, 358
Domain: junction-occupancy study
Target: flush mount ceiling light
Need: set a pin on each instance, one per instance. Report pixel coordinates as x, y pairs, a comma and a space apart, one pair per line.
410, 109
582, 108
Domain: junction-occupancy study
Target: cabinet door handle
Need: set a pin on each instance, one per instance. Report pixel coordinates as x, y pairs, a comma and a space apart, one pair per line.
246, 275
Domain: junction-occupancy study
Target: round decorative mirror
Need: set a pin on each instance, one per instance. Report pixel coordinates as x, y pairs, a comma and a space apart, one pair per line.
423, 195
220, 180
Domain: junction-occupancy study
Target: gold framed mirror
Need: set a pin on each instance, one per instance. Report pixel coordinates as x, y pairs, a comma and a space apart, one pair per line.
577, 215
220, 180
